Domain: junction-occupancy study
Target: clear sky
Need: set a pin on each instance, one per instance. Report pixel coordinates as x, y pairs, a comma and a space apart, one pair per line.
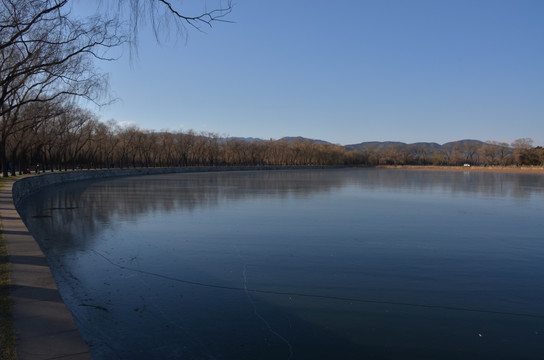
345, 71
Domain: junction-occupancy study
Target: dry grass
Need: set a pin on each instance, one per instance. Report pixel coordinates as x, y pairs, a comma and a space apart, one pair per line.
504, 169
7, 336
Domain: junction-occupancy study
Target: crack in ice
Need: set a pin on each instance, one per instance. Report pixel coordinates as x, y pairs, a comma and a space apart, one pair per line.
320, 296
262, 318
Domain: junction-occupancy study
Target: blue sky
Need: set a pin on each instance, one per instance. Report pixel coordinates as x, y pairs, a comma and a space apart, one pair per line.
346, 72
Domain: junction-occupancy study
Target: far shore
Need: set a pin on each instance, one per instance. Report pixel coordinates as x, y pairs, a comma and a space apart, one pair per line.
503, 169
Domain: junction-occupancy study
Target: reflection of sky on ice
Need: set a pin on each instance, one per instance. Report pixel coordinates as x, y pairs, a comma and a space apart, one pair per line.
248, 265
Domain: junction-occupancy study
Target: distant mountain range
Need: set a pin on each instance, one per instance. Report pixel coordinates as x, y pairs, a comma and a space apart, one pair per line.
377, 145
292, 139
382, 145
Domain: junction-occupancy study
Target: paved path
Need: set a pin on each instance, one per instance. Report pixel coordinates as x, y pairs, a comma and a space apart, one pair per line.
44, 327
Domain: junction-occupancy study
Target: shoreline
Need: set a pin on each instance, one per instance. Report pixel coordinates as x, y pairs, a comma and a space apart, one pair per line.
491, 169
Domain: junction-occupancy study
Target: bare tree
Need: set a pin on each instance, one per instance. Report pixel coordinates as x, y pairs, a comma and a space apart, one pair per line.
100, 151
521, 146
45, 55
165, 17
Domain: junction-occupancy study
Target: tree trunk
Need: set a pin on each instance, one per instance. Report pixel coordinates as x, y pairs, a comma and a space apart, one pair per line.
3, 158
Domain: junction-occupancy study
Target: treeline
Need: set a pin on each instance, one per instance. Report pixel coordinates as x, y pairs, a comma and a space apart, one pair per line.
67, 137
471, 152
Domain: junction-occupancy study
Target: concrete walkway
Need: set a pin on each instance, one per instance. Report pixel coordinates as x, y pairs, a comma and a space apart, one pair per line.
44, 328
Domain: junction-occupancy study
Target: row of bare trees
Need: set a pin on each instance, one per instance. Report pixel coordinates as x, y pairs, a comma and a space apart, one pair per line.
69, 138
66, 137
491, 153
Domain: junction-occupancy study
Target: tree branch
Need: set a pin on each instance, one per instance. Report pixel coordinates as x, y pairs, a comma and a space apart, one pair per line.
206, 18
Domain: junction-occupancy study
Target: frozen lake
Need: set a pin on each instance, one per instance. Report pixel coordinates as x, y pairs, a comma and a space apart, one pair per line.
300, 264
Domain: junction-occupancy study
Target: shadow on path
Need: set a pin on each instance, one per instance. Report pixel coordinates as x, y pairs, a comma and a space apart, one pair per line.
44, 328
